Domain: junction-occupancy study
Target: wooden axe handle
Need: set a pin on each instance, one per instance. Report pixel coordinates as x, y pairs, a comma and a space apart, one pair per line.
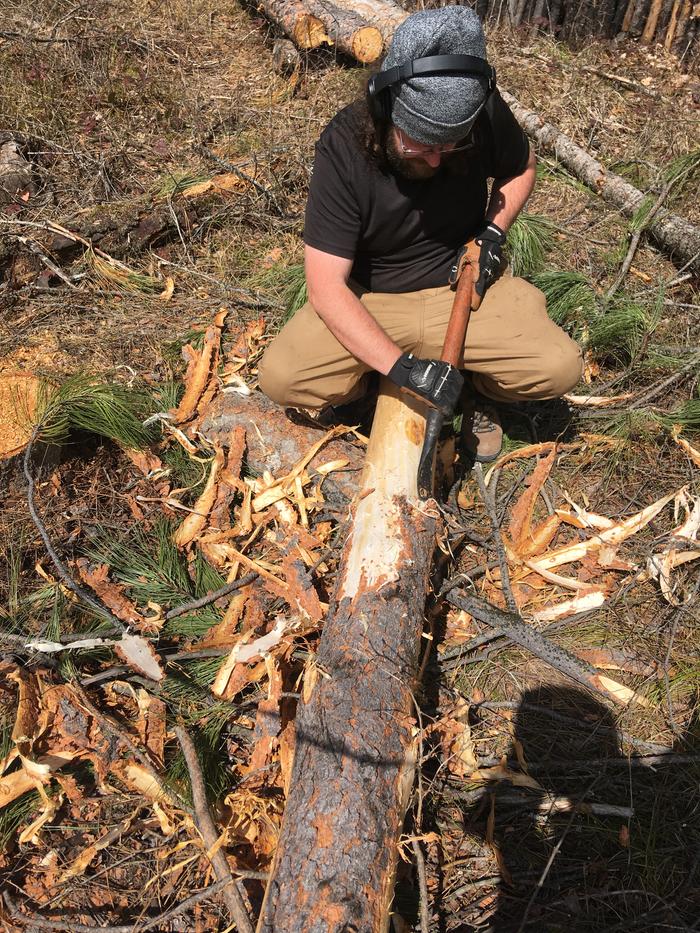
452, 352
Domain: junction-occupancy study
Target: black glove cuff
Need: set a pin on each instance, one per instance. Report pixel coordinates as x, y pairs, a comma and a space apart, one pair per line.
401, 369
493, 233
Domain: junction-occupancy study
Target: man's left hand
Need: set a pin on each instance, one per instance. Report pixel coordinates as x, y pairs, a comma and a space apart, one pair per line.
490, 241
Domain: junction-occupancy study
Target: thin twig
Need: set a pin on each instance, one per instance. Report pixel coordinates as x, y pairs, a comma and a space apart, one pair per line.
422, 886
34, 247
678, 275
634, 242
230, 167
207, 830
545, 871
659, 387
211, 597
254, 299
160, 921
490, 505
652, 747
61, 568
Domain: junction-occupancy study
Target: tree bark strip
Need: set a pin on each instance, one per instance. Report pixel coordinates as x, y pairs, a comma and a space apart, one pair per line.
355, 748
678, 238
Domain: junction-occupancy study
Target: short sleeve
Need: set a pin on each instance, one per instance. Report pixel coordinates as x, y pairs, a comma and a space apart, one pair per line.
507, 148
332, 222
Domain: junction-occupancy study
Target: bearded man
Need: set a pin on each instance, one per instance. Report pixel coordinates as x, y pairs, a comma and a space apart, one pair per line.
400, 183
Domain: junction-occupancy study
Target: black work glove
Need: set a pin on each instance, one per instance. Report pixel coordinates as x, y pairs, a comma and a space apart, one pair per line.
491, 241
433, 381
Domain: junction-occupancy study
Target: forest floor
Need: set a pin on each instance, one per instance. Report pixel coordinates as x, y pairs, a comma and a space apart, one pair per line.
164, 133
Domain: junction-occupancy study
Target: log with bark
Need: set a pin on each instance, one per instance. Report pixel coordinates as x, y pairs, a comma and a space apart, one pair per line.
382, 14
355, 747
312, 23
678, 238
276, 443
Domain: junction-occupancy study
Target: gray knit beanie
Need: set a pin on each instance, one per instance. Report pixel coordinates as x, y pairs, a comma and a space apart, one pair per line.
437, 109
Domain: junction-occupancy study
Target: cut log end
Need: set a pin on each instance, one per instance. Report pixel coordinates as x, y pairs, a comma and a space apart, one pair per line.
367, 45
309, 32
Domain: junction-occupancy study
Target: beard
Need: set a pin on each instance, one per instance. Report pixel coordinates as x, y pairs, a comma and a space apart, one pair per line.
413, 169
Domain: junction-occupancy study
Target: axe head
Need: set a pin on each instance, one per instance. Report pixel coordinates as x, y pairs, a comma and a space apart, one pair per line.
426, 465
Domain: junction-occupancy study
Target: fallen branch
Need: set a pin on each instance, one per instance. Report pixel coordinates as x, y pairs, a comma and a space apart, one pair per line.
512, 625
490, 504
673, 234
422, 886
210, 836
61, 568
634, 242
209, 598
39, 923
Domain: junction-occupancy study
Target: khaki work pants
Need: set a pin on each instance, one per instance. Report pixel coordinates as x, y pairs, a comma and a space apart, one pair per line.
512, 349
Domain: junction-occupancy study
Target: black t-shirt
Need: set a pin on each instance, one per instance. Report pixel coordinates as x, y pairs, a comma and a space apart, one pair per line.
402, 234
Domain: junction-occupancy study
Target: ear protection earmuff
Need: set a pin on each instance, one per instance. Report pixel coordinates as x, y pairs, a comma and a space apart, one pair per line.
379, 86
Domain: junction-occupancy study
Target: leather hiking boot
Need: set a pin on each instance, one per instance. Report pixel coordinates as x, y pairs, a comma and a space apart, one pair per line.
482, 434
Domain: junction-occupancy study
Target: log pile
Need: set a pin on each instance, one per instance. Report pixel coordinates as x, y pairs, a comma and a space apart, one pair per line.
363, 29
358, 30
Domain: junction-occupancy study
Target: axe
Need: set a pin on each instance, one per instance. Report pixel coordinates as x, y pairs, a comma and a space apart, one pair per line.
463, 275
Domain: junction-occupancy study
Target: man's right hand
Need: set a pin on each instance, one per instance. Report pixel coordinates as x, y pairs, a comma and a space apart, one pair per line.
435, 382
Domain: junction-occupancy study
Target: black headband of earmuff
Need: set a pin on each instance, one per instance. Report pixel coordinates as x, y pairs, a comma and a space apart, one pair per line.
379, 84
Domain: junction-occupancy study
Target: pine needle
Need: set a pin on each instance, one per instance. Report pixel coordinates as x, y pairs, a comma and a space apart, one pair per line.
618, 334
529, 240
147, 562
686, 415
178, 182
571, 298
83, 403
287, 284
112, 275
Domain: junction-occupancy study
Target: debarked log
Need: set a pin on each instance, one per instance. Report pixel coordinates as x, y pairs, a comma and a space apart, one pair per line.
678, 238
355, 750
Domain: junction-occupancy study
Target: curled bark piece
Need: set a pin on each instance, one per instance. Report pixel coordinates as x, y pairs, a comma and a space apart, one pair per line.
674, 235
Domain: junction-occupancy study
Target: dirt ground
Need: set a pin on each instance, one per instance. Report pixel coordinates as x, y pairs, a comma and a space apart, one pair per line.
126, 112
